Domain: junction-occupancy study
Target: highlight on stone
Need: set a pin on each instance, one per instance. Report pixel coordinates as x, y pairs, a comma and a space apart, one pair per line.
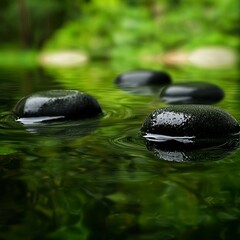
57, 104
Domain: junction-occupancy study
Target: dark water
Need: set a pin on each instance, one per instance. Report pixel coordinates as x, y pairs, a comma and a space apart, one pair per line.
96, 179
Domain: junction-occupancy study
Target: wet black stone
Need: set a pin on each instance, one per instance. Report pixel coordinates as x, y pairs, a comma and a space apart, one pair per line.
142, 78
62, 104
192, 93
193, 121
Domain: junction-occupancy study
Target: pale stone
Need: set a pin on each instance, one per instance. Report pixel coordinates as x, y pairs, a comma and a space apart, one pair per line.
63, 58
213, 57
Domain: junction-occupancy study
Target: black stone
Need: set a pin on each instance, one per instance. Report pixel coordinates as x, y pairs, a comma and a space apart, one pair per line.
57, 104
142, 78
192, 93
186, 123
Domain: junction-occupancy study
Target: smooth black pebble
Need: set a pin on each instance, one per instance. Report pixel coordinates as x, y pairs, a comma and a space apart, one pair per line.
192, 93
139, 78
193, 121
63, 104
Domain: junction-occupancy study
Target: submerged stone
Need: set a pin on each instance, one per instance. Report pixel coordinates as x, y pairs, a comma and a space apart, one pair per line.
62, 129
192, 93
57, 104
142, 78
189, 123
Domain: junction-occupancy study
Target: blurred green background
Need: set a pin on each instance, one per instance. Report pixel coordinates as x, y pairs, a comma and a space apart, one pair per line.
115, 28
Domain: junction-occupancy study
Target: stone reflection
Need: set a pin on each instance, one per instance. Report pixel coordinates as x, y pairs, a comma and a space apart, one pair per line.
143, 90
48, 127
201, 150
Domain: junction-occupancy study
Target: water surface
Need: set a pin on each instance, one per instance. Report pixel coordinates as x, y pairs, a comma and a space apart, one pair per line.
96, 179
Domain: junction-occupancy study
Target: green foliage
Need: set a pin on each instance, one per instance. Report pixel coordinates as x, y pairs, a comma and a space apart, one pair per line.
114, 27
106, 35
149, 27
29, 23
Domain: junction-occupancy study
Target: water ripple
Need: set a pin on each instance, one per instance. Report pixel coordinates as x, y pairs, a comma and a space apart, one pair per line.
118, 112
128, 142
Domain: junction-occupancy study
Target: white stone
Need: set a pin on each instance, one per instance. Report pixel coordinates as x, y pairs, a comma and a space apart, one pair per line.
213, 57
63, 58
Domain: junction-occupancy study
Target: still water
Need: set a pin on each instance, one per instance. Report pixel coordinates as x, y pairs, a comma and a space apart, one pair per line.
96, 179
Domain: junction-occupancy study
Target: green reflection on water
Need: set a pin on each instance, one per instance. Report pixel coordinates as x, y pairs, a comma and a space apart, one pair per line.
105, 184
